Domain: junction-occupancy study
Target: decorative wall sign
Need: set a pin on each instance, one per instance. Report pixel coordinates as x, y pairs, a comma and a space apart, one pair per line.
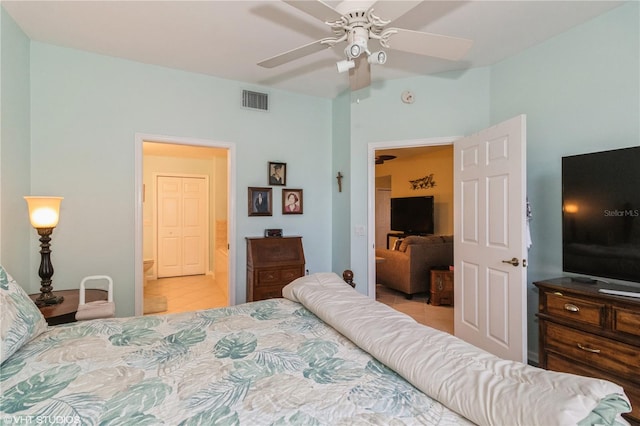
423, 182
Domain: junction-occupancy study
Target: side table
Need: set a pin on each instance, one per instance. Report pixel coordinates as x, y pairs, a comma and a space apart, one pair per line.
65, 312
441, 287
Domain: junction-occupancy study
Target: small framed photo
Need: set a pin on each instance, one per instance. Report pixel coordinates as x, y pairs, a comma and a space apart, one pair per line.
277, 173
292, 201
260, 201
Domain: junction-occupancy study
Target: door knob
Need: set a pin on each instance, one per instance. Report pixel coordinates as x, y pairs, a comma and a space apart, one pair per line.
514, 261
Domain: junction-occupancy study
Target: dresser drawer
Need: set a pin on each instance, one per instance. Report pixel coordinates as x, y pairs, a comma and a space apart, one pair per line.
608, 355
626, 321
289, 274
268, 277
576, 309
263, 293
559, 363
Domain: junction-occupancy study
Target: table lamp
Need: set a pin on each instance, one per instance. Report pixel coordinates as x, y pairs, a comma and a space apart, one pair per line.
44, 213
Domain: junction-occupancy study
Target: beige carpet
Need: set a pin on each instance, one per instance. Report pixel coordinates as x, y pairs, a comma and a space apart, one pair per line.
155, 304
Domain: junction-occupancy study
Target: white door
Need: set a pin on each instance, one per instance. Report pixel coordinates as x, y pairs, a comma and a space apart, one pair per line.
490, 289
182, 228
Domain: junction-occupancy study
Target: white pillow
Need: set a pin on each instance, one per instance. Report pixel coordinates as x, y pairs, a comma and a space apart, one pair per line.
21, 318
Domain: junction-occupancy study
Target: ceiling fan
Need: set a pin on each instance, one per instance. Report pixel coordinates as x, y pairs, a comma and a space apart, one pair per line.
380, 159
358, 22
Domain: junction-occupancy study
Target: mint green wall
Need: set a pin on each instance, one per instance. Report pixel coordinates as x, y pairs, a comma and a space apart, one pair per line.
341, 160
448, 104
581, 93
86, 109
17, 238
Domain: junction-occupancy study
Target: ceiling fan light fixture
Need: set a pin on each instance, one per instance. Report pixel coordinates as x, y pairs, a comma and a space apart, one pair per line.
353, 50
377, 58
345, 65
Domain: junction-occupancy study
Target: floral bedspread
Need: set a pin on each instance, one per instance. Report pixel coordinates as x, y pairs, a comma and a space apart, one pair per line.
271, 362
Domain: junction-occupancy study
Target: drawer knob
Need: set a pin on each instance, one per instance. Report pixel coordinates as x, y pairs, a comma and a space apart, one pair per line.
571, 307
557, 293
584, 348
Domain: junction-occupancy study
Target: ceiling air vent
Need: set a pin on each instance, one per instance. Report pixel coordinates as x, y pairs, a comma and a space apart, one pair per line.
255, 100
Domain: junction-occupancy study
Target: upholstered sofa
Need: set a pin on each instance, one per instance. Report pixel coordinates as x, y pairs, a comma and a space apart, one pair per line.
408, 267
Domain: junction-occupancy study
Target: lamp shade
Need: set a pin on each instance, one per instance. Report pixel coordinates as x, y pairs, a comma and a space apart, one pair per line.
44, 212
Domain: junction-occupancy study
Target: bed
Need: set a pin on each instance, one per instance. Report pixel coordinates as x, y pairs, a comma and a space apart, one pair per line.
321, 355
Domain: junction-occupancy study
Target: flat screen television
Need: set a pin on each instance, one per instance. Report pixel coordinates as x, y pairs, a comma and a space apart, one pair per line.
601, 214
412, 215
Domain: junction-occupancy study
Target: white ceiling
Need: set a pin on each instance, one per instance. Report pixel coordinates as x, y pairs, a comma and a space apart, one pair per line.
227, 38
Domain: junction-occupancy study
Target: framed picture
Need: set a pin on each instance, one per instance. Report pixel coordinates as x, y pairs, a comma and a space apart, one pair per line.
260, 201
292, 201
277, 173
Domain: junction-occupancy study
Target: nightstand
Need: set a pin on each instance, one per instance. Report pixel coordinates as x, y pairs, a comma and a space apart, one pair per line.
65, 312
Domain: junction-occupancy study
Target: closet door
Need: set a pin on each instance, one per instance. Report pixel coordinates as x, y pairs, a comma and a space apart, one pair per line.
182, 231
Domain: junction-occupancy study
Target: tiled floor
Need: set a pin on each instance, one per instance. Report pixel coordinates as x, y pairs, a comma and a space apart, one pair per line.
439, 317
201, 292
189, 293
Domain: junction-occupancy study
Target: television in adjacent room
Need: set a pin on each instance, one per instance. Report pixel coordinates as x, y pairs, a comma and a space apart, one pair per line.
412, 215
601, 214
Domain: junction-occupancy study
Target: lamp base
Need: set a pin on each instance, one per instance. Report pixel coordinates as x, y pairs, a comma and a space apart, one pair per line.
48, 300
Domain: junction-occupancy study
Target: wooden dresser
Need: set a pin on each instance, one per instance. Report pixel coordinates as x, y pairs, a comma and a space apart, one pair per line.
585, 332
272, 263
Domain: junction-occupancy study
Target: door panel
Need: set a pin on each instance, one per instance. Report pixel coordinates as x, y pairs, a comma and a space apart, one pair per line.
169, 230
194, 227
489, 175
469, 295
182, 228
469, 203
498, 286
497, 209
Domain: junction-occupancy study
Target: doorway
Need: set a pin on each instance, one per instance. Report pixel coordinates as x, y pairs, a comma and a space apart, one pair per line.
413, 171
182, 224
160, 155
489, 246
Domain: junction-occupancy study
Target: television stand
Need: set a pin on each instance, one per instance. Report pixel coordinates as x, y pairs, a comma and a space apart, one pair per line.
584, 280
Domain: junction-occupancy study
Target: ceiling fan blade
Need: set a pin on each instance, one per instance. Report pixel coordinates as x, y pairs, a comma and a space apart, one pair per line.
436, 45
360, 76
392, 10
316, 8
292, 55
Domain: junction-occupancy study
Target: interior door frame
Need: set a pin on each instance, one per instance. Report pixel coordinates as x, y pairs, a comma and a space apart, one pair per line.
371, 167
140, 138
